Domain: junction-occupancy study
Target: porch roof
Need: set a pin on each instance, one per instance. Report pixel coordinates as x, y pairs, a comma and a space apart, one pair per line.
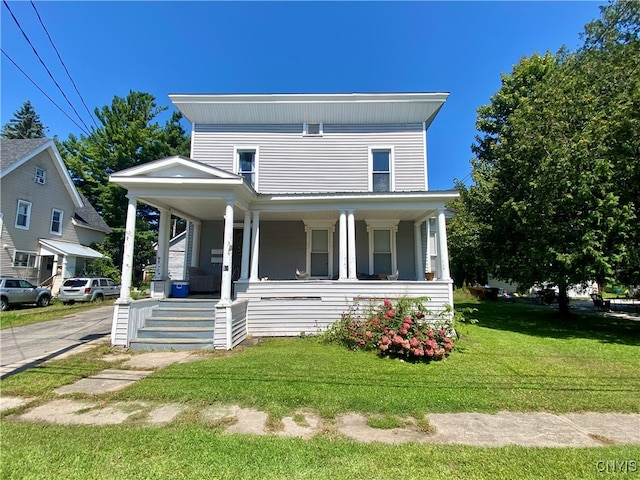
56, 247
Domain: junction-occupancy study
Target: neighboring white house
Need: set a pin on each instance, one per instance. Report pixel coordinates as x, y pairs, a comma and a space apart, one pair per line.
332, 186
47, 225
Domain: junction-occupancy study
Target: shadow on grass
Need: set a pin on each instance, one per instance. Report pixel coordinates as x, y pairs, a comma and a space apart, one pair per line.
542, 322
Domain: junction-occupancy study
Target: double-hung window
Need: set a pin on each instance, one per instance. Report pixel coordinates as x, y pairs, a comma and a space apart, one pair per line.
381, 169
41, 176
247, 164
320, 248
56, 221
382, 246
23, 215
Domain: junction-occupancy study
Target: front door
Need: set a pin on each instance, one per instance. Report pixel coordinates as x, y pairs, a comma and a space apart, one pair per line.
236, 258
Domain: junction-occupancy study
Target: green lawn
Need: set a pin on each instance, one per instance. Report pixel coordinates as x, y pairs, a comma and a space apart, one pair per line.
516, 358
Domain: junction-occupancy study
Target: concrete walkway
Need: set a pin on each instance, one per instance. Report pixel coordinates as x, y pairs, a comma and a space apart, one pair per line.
493, 430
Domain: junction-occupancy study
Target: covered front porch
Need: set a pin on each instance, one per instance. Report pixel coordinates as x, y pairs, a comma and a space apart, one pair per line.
285, 264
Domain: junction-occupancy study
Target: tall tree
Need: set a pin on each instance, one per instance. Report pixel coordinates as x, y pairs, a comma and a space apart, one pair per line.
128, 135
24, 124
556, 169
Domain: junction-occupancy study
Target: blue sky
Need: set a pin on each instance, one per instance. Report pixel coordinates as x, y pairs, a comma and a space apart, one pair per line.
111, 48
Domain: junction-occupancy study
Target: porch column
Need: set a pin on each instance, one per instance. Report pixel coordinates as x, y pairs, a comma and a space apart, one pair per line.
255, 250
428, 233
162, 256
127, 255
195, 244
351, 241
417, 235
246, 246
343, 246
443, 251
227, 255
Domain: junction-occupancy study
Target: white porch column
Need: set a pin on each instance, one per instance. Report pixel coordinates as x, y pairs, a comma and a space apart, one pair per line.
255, 250
227, 255
127, 255
162, 256
443, 251
246, 246
342, 254
417, 235
351, 243
195, 244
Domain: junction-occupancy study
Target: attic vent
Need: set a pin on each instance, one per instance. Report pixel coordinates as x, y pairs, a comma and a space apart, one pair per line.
40, 176
313, 129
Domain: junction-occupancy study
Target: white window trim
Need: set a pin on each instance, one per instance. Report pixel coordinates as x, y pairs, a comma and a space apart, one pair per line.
30, 254
390, 225
324, 225
23, 227
305, 130
392, 166
40, 179
53, 212
256, 166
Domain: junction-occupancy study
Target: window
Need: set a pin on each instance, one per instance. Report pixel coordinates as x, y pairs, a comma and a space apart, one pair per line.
381, 169
56, 221
382, 246
25, 259
23, 215
41, 176
312, 129
320, 248
247, 164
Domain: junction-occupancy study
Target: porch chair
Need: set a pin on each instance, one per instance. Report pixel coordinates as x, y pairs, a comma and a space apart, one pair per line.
600, 303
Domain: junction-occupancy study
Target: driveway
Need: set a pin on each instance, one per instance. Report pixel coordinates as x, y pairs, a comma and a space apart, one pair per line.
29, 345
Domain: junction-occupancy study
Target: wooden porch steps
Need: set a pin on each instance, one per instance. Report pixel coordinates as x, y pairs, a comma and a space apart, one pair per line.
178, 324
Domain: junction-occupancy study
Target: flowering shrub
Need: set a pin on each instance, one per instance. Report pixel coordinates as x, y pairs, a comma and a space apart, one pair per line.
404, 330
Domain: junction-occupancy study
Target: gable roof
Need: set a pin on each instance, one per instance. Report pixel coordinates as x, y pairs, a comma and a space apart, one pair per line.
16, 152
335, 108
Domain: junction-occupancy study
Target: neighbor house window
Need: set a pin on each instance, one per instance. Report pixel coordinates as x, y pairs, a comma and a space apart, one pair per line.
247, 164
25, 259
312, 129
382, 247
23, 215
56, 221
41, 176
381, 169
320, 248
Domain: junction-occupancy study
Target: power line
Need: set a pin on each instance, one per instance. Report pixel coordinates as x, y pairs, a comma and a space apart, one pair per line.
43, 92
45, 66
63, 64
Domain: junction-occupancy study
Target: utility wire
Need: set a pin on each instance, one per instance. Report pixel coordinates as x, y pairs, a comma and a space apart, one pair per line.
41, 90
45, 66
63, 64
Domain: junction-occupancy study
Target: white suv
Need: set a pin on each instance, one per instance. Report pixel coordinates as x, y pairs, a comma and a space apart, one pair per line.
87, 289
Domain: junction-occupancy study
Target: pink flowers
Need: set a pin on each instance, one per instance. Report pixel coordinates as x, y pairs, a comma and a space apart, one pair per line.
403, 329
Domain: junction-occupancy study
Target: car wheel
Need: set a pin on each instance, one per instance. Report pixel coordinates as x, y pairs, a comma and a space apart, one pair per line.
3, 304
99, 298
44, 300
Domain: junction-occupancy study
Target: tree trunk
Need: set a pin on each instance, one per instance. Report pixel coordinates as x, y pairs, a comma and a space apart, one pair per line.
563, 301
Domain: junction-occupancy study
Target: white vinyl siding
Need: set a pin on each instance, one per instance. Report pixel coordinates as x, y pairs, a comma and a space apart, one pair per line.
337, 161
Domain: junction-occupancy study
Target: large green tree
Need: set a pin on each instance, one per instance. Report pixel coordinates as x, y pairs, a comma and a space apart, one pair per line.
556, 162
128, 135
24, 124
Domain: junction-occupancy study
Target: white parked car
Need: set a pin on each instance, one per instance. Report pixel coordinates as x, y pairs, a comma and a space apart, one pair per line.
87, 289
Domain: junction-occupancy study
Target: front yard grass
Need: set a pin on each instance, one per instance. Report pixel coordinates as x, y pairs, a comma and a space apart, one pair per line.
517, 358
26, 315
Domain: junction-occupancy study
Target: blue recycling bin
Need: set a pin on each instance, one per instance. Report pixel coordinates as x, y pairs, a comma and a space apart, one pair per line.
180, 289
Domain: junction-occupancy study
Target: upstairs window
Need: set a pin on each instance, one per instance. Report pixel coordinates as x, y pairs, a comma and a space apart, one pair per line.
56, 221
41, 176
246, 164
381, 167
312, 129
23, 215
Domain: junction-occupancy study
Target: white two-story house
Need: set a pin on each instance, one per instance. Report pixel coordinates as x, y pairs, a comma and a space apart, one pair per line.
296, 205
46, 224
